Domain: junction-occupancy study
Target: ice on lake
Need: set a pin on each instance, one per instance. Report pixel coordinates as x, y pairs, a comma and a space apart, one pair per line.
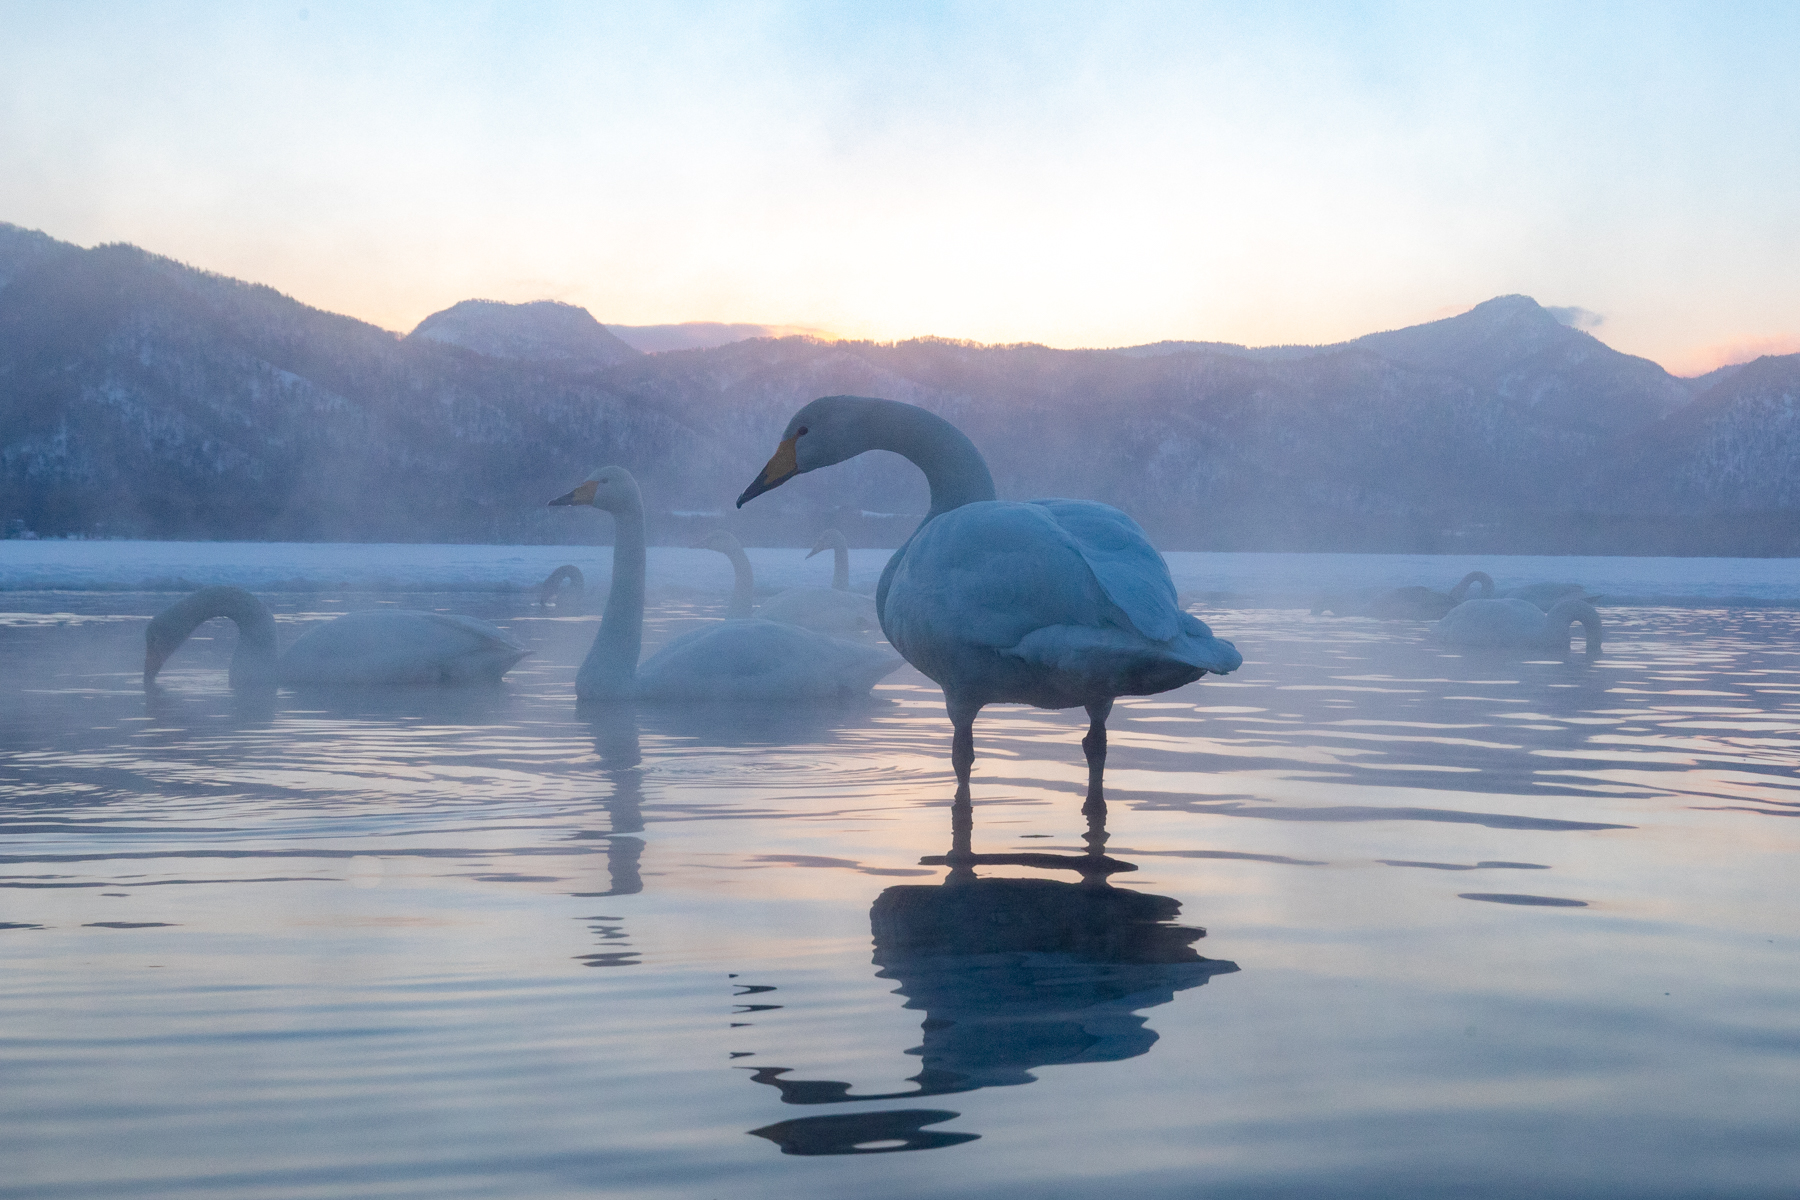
1475, 925
679, 572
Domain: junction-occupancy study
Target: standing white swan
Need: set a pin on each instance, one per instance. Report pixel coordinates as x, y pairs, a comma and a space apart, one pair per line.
1056, 603
386, 646
1520, 624
835, 609
726, 660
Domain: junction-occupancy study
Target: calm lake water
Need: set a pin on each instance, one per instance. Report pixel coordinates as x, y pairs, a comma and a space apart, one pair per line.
1475, 926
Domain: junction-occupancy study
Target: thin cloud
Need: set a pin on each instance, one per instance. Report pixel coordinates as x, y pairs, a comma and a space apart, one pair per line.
1576, 317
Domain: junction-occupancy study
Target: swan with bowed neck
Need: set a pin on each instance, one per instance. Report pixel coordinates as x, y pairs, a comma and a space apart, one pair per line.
362, 649
733, 659
1512, 623
826, 610
551, 590
1054, 603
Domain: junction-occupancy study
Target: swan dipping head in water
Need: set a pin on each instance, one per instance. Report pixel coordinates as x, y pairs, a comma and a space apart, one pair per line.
1054, 603
1512, 623
361, 649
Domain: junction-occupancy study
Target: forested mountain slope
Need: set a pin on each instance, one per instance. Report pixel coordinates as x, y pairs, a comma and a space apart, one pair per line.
143, 397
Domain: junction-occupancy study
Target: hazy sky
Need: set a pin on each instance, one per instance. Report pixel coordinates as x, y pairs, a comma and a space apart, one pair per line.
1088, 174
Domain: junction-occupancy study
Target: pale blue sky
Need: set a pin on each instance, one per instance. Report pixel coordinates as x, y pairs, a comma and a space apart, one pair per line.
1084, 174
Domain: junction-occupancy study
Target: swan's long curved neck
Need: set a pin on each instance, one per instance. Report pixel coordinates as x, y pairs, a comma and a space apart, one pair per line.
610, 668
1565, 613
254, 659
743, 586
1462, 588
953, 467
840, 560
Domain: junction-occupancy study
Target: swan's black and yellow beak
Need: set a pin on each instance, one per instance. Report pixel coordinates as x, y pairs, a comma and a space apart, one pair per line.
581, 495
781, 468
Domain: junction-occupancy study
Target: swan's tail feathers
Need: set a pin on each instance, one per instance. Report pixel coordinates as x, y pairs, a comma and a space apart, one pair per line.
1117, 662
487, 665
1196, 644
873, 671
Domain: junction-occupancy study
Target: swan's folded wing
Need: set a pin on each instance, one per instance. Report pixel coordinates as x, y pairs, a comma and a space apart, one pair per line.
761, 660
1133, 574
400, 646
989, 574
1123, 663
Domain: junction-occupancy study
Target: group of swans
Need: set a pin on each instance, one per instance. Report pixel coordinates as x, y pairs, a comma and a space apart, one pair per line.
1053, 603
406, 647
1408, 603
836, 609
1534, 616
736, 659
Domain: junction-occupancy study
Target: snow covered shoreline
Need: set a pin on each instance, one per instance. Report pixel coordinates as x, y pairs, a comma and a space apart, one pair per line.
1273, 579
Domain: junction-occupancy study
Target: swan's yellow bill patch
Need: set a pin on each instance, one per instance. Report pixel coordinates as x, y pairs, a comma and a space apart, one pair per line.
581, 495
782, 467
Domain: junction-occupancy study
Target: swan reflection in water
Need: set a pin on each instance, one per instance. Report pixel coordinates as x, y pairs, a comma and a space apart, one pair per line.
1012, 975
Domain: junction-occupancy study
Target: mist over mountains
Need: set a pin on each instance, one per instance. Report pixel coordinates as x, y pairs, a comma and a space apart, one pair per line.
144, 398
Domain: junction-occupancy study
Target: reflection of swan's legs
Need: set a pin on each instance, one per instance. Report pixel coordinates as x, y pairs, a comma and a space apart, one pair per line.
961, 858
1094, 746
962, 743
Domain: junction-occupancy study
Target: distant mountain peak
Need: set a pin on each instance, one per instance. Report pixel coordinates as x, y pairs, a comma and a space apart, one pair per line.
538, 331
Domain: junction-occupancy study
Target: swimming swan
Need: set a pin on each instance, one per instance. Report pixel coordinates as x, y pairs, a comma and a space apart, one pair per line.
1546, 595
1409, 603
1516, 623
834, 541
835, 609
726, 660
384, 646
743, 583
1056, 603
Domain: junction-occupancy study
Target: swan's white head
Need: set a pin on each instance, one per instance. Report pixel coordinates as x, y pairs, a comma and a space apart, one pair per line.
825, 432
611, 488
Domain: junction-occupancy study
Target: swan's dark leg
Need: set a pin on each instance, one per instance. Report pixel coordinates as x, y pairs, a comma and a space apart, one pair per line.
962, 743
1094, 746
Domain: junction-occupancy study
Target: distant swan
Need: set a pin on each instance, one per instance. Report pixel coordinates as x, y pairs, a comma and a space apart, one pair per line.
1409, 603
726, 660
550, 591
836, 609
384, 646
835, 541
1518, 624
1055, 603
743, 584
